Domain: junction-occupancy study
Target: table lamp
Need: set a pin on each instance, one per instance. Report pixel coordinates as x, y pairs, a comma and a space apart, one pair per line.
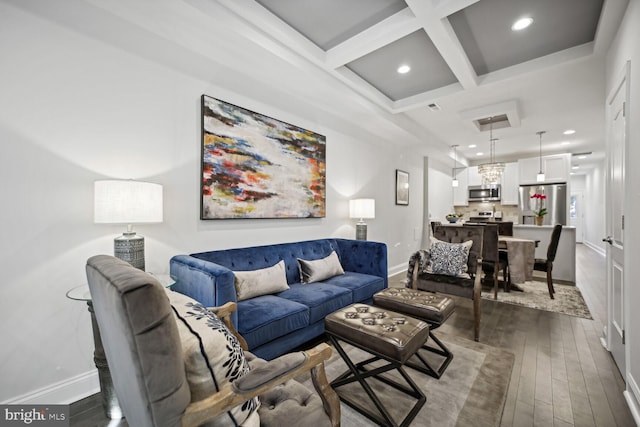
128, 202
362, 208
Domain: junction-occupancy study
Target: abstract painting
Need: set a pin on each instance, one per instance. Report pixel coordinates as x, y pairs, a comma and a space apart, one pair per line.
254, 166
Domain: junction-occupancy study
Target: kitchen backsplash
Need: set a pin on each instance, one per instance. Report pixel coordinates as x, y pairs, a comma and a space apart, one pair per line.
509, 212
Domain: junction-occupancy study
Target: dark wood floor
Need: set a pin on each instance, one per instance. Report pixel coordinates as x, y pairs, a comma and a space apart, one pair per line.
562, 375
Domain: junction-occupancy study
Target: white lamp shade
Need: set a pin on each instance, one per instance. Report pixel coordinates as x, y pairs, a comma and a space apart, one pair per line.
540, 177
127, 202
362, 208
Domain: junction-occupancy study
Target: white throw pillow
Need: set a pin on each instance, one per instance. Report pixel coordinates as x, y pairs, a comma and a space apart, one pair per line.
320, 269
449, 258
213, 357
253, 283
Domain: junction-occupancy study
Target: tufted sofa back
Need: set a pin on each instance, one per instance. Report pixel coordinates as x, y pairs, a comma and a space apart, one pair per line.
257, 257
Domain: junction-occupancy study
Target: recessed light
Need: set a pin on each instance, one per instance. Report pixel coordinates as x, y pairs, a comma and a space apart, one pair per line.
582, 157
575, 167
521, 24
404, 69
479, 154
565, 143
569, 132
472, 146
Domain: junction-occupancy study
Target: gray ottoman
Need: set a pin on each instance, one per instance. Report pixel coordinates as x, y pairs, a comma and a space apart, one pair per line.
433, 308
387, 335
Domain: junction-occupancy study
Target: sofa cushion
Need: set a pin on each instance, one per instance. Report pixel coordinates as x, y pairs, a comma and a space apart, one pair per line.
449, 258
267, 317
264, 281
321, 298
362, 286
320, 269
212, 356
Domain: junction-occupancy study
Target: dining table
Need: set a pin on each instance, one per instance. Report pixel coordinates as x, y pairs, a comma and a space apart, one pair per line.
521, 256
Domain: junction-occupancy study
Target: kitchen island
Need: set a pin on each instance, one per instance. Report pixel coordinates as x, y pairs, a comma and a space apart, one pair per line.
564, 266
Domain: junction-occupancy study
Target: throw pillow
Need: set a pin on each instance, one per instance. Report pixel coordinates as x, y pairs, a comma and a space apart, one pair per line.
212, 356
449, 258
253, 283
320, 269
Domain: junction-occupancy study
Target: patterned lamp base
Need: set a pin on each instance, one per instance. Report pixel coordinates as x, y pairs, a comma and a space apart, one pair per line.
130, 247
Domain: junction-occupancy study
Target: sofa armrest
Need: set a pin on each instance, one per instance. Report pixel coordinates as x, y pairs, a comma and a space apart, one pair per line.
363, 256
212, 285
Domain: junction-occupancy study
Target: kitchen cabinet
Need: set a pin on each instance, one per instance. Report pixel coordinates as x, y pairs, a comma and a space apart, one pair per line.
510, 184
461, 193
556, 169
474, 177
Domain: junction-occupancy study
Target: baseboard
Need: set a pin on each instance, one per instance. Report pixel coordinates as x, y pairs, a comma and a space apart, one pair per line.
632, 396
397, 269
61, 393
595, 248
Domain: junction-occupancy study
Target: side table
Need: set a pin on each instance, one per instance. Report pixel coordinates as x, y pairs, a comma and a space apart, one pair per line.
109, 400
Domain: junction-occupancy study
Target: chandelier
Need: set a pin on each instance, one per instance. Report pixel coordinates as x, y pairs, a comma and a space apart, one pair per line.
491, 172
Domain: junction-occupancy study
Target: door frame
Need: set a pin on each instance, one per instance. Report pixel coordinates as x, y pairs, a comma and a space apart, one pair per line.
621, 84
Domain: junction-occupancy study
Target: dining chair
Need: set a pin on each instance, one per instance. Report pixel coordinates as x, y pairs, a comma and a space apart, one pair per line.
505, 228
154, 351
546, 265
492, 262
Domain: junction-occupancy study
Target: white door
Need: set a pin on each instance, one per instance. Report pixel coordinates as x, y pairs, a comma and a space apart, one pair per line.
616, 141
576, 214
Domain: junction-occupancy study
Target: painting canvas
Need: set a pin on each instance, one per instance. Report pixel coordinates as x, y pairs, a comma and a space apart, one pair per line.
254, 166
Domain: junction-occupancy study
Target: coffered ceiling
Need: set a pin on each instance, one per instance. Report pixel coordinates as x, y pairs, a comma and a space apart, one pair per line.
466, 63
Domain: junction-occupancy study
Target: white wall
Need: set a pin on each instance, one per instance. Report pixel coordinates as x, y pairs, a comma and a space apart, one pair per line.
594, 212
75, 108
626, 47
440, 191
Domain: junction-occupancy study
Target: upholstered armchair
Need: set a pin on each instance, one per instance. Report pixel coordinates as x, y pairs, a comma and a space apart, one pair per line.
174, 363
467, 287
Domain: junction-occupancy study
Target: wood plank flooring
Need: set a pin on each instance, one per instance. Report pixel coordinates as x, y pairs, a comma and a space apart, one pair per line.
562, 375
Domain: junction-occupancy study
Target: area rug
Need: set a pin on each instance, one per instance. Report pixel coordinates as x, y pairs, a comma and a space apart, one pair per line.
472, 391
568, 298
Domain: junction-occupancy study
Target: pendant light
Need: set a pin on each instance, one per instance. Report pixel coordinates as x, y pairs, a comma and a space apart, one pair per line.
540, 176
491, 172
454, 179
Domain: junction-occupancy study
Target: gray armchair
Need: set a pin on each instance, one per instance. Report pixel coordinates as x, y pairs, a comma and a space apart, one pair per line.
143, 347
468, 288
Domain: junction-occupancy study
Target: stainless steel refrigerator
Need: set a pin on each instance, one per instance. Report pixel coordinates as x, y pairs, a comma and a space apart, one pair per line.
555, 202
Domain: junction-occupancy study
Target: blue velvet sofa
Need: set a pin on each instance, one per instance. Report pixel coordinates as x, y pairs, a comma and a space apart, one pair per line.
277, 323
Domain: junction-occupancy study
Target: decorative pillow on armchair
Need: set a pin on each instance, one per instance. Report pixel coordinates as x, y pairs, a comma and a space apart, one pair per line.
320, 269
212, 357
449, 258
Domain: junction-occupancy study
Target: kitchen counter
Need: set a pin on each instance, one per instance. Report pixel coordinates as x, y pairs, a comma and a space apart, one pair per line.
564, 266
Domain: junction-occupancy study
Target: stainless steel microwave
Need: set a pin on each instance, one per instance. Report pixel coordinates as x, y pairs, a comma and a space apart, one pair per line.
481, 193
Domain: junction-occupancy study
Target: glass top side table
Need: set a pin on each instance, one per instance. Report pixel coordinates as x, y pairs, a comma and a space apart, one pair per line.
109, 400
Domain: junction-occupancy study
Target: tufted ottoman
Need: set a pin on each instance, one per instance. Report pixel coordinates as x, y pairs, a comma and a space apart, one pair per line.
387, 335
433, 308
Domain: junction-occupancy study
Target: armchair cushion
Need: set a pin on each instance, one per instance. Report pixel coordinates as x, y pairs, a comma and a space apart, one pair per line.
212, 356
264, 281
320, 269
449, 258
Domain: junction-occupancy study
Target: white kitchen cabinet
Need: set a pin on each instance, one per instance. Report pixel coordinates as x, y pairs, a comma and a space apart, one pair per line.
556, 169
461, 193
474, 177
510, 184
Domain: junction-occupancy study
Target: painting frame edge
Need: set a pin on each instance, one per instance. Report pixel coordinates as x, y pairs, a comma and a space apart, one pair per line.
402, 195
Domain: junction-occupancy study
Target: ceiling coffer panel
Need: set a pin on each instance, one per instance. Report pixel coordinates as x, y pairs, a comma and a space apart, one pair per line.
484, 30
428, 70
327, 23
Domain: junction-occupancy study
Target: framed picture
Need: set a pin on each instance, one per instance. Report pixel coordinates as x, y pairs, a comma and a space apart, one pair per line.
402, 187
254, 166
